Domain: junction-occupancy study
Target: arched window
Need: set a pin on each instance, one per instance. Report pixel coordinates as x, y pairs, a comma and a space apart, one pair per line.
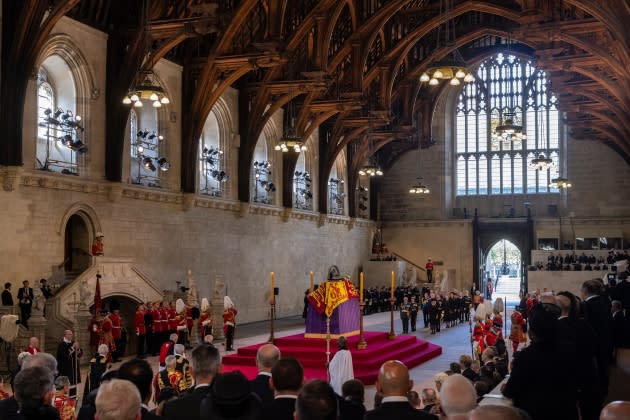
212, 170
336, 191
302, 185
508, 91
263, 185
59, 129
147, 147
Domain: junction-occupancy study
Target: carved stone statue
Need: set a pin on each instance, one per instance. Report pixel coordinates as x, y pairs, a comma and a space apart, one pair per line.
39, 303
84, 293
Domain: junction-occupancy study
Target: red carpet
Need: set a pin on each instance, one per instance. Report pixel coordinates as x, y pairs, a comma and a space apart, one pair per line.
311, 352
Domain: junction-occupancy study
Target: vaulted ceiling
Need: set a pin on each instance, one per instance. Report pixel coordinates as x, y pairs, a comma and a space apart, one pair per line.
339, 61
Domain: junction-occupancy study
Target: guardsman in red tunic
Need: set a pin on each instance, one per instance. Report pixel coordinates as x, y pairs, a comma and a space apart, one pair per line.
205, 319
107, 336
157, 328
229, 322
429, 269
172, 318
138, 323
164, 321
479, 331
180, 318
117, 333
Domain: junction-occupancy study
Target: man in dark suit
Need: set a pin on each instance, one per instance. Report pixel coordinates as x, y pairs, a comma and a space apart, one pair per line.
619, 333
596, 310
266, 357
25, 299
287, 378
394, 383
138, 371
577, 333
7, 297
205, 361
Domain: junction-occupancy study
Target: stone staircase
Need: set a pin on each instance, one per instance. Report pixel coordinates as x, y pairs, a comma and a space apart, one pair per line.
507, 287
74, 294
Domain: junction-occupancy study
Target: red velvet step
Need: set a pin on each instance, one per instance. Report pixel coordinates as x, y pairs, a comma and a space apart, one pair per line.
311, 352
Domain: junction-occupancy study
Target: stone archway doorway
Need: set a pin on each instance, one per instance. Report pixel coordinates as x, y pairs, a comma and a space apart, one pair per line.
127, 307
76, 245
503, 264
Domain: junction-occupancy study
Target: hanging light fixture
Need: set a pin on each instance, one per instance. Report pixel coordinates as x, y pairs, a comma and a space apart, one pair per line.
419, 187
452, 67
560, 183
148, 89
290, 140
507, 130
371, 168
541, 163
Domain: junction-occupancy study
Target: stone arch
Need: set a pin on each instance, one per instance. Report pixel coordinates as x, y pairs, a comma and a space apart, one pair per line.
64, 46
85, 212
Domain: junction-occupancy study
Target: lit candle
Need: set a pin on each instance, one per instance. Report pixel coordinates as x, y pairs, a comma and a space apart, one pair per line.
361, 286
392, 288
273, 296
312, 282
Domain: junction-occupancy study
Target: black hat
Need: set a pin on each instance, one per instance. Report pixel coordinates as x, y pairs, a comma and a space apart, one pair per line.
231, 389
232, 396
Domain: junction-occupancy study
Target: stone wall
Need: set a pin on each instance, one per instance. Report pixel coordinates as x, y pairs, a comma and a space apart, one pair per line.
166, 233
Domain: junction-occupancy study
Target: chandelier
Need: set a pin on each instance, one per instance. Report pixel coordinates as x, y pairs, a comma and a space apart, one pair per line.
148, 90
291, 141
541, 163
453, 66
419, 188
560, 183
507, 130
371, 168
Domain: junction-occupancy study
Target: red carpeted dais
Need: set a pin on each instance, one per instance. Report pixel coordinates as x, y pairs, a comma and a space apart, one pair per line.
311, 352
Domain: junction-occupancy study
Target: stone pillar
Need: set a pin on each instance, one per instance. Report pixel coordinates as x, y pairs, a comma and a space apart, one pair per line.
80, 331
217, 307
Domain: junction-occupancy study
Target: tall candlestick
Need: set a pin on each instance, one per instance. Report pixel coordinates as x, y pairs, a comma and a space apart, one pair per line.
312, 282
273, 295
361, 286
392, 289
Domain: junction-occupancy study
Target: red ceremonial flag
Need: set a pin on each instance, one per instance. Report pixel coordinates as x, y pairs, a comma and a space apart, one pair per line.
97, 295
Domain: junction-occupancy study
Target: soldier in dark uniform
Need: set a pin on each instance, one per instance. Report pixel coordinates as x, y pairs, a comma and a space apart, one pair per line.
440, 317
467, 304
404, 315
425, 302
413, 312
434, 315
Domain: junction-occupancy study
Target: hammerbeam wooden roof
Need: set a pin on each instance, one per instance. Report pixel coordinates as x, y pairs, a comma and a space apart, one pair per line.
340, 61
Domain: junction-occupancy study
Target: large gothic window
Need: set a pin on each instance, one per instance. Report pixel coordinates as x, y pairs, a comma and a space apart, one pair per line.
506, 87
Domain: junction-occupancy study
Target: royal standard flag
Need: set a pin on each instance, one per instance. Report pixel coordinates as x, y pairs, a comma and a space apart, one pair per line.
336, 294
317, 299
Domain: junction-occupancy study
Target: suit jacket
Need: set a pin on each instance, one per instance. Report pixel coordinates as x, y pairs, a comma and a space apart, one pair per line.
470, 374
278, 409
7, 298
260, 386
26, 294
530, 383
186, 407
619, 334
399, 411
9, 409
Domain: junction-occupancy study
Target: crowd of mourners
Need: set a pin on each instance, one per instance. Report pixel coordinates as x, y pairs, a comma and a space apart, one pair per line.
560, 372
574, 262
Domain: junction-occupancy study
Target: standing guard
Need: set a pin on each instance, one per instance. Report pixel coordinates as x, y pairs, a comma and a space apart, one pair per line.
413, 312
